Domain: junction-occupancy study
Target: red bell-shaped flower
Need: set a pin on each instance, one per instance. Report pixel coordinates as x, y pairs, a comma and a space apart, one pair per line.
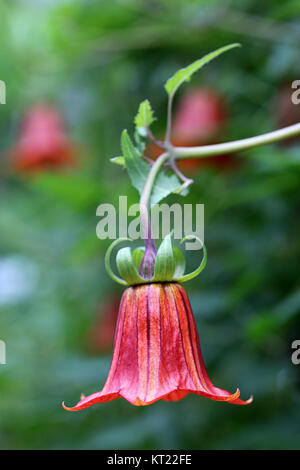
43, 141
157, 353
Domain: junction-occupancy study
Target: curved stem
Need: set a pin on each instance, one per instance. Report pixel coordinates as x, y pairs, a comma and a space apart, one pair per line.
243, 144
169, 120
145, 197
148, 260
146, 193
181, 153
186, 181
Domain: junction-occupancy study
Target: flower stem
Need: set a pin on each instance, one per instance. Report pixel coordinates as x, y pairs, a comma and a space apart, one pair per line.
181, 153
148, 261
169, 120
145, 196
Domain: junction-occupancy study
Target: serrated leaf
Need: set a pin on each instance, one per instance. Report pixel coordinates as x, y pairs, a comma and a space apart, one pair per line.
164, 185
144, 117
137, 168
184, 74
138, 171
119, 161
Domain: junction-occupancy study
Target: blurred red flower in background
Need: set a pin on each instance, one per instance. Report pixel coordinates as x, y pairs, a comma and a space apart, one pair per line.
157, 353
200, 115
101, 337
43, 142
199, 119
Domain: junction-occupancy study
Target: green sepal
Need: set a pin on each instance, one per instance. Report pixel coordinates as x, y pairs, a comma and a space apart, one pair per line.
169, 263
200, 268
126, 267
137, 256
179, 262
165, 262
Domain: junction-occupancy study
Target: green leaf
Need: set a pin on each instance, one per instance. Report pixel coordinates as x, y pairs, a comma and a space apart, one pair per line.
144, 117
137, 168
138, 171
119, 161
164, 185
184, 75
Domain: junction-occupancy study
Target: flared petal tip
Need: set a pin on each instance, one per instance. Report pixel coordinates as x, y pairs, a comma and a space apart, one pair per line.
235, 399
76, 407
98, 397
250, 400
66, 407
234, 396
175, 395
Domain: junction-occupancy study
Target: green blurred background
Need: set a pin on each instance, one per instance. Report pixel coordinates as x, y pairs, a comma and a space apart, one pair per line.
95, 60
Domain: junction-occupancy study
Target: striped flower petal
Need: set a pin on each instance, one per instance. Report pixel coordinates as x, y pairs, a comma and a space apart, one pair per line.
157, 352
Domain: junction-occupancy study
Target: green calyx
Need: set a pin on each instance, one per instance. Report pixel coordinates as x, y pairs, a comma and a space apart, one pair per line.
169, 263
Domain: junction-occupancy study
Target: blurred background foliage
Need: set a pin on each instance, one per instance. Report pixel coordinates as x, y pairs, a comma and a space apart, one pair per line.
94, 61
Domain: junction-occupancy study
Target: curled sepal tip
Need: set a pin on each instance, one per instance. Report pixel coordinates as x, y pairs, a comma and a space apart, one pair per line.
126, 263
110, 272
187, 277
